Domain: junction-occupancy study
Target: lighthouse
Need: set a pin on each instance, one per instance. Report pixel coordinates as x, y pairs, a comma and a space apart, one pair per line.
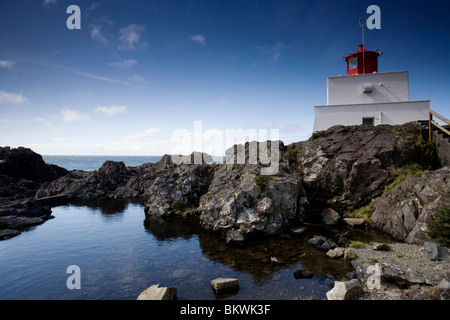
366, 96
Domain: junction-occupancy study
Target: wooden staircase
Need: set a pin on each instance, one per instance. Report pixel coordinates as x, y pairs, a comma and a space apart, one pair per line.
438, 133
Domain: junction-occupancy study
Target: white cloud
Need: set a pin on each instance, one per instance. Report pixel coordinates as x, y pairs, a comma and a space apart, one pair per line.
68, 115
97, 35
12, 98
48, 2
123, 64
198, 38
111, 111
130, 36
8, 64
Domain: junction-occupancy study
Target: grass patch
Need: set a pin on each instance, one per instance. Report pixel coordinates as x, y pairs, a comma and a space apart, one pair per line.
400, 255
356, 244
363, 212
439, 229
410, 170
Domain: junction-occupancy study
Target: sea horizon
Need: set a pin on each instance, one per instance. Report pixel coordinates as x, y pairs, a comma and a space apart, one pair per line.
92, 163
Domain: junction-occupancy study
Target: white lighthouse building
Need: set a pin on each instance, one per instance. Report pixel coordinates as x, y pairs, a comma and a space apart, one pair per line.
365, 96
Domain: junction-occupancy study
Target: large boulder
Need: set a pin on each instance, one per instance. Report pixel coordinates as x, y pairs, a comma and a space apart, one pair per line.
240, 197
22, 172
24, 163
345, 167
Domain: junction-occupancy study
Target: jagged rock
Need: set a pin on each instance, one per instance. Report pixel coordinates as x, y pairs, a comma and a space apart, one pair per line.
345, 290
345, 167
240, 197
24, 163
405, 212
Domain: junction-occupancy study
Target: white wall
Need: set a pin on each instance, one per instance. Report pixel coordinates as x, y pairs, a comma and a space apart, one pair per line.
349, 89
395, 113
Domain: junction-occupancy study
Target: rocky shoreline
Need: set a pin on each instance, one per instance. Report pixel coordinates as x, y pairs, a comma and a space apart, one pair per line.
386, 172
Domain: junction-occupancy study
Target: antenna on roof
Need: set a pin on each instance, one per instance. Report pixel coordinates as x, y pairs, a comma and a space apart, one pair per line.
362, 25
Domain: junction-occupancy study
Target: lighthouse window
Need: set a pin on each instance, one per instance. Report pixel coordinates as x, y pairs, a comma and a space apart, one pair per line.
369, 121
353, 64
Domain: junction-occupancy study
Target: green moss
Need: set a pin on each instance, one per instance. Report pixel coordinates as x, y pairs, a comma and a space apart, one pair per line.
439, 228
262, 182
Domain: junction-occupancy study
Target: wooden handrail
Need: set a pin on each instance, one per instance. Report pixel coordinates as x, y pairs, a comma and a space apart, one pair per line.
432, 123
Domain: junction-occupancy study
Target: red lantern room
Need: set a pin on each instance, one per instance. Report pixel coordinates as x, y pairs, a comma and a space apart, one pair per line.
362, 61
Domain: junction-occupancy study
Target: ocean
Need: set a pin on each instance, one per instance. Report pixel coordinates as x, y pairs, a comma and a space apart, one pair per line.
91, 163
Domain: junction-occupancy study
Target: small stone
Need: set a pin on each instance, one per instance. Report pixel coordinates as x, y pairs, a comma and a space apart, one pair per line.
156, 292
349, 254
330, 217
355, 222
336, 253
381, 247
224, 285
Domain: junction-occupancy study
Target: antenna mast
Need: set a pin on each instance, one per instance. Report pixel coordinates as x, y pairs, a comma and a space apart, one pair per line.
362, 25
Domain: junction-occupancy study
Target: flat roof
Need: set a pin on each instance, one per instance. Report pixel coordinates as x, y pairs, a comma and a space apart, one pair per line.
370, 104
367, 74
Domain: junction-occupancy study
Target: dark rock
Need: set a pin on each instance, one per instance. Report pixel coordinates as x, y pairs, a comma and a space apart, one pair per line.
381, 247
343, 240
302, 274
22, 173
345, 167
330, 217
24, 163
435, 251
321, 243
8, 233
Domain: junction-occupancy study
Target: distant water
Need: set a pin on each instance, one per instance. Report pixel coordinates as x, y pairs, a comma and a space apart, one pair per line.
91, 163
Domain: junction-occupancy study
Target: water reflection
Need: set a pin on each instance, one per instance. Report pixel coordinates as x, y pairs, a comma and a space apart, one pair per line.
189, 256
260, 258
106, 206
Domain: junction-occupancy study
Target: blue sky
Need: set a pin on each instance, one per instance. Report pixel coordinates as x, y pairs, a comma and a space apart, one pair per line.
139, 72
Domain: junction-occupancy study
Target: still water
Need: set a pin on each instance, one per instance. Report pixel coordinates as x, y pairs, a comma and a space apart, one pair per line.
121, 253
